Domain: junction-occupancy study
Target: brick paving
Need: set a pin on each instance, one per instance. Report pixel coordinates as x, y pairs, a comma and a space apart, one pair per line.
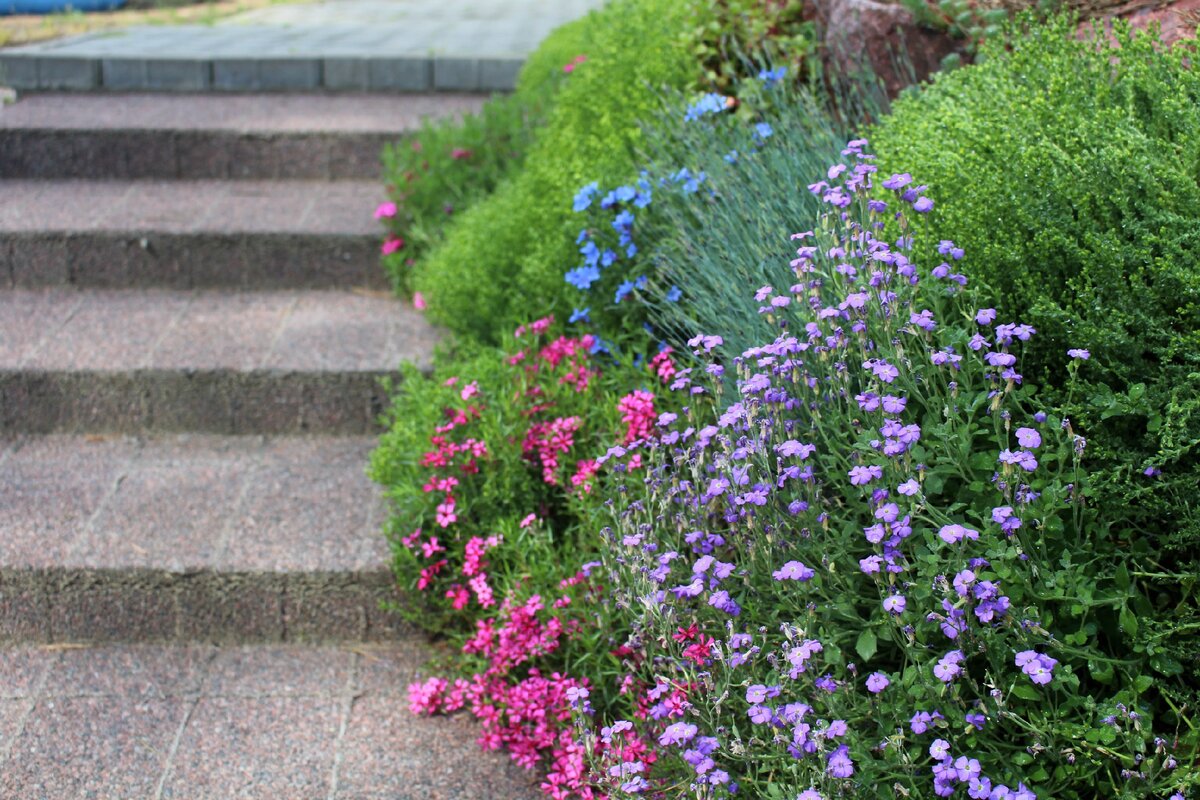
212, 723
358, 45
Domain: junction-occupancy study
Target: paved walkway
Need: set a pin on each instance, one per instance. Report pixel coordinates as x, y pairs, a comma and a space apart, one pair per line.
212, 723
380, 45
193, 329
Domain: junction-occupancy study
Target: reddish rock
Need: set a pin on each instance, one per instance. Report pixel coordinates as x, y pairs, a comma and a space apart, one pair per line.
1177, 20
886, 38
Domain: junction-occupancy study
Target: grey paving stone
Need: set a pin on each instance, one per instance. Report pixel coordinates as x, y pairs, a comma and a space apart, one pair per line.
68, 73
268, 747
238, 75
289, 74
400, 74
170, 74
92, 747
19, 71
456, 74
124, 74
343, 74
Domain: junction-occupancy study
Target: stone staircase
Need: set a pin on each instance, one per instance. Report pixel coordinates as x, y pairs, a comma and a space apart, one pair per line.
193, 328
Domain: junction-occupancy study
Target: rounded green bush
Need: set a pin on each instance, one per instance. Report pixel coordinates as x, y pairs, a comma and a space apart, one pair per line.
1068, 170
511, 250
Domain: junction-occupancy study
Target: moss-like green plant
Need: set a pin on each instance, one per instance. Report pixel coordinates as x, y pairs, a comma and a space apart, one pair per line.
504, 259
1073, 169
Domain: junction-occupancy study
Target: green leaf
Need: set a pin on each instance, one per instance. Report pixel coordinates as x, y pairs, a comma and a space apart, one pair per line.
1129, 621
1122, 576
1026, 692
866, 644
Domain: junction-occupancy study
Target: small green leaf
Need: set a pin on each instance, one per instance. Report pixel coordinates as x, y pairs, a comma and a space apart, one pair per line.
1129, 621
1026, 693
1122, 576
866, 644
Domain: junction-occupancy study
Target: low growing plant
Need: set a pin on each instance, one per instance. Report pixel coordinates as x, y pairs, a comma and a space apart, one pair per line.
875, 570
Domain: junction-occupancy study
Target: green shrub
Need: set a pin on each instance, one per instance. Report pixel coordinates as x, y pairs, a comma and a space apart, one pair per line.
506, 253
451, 163
1073, 168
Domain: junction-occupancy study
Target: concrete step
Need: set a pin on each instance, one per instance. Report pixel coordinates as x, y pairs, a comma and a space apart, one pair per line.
165, 136
191, 539
190, 234
342, 45
254, 723
126, 361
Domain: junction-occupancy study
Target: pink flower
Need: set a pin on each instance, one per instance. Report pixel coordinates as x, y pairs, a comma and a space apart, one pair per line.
470, 390
391, 245
459, 153
385, 210
525, 523
418, 301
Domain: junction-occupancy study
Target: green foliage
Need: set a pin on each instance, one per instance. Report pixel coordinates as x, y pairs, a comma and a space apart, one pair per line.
441, 171
1068, 171
512, 249
963, 19
729, 31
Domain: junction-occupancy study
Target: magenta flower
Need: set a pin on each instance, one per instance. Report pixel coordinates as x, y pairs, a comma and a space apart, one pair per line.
391, 245
385, 210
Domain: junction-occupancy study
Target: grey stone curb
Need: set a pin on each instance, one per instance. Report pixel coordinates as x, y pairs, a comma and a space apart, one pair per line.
205, 260
188, 155
48, 606
226, 402
28, 71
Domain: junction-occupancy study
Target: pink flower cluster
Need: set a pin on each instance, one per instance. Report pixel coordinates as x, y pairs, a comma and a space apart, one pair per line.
546, 440
637, 412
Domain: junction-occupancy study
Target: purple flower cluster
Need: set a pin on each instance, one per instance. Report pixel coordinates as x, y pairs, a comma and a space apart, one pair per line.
804, 525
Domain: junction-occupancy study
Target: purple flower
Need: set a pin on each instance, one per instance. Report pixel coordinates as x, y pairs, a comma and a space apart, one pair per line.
1037, 666
953, 534
877, 682
760, 715
839, 764
897, 181
793, 571
949, 666
893, 405
679, 733
1028, 437
976, 720
985, 316
1082, 355
813, 794
861, 476
895, 604
870, 565
909, 488
794, 448
939, 749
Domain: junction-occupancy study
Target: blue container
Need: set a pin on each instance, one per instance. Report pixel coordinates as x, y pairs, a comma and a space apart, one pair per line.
55, 6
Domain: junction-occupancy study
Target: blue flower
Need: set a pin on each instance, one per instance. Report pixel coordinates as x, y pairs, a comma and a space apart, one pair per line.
582, 278
583, 235
580, 315
708, 104
599, 346
641, 281
763, 131
732, 157
631, 250
609, 200
590, 253
624, 193
608, 258
583, 198
623, 221
624, 290
674, 294
770, 77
